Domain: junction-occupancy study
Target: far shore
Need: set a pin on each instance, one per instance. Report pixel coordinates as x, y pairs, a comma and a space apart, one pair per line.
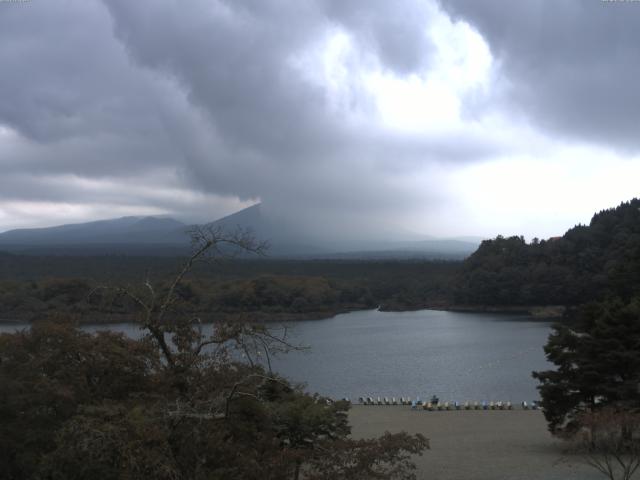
259, 317
477, 444
540, 312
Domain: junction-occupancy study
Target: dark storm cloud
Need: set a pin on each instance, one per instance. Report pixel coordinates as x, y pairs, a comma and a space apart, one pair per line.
270, 132
571, 66
63, 76
144, 103
208, 88
87, 127
77, 103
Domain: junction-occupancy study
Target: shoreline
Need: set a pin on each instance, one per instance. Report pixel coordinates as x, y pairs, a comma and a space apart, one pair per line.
537, 312
257, 317
542, 312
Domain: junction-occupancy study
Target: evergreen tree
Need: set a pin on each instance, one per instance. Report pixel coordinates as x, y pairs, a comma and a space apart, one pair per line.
598, 364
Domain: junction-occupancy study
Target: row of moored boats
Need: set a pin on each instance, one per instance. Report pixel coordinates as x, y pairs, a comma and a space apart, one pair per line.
435, 404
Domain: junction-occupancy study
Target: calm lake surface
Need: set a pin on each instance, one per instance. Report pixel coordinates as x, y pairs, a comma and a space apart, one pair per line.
457, 356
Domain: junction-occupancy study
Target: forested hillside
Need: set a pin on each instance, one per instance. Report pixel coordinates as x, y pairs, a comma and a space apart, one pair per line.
37, 287
588, 262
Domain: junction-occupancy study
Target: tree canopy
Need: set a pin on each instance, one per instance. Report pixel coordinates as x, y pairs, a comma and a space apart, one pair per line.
179, 403
597, 357
586, 263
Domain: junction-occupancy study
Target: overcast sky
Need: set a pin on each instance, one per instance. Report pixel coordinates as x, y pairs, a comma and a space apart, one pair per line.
458, 117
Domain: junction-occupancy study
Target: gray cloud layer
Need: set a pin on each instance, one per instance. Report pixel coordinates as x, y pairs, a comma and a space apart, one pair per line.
572, 66
184, 107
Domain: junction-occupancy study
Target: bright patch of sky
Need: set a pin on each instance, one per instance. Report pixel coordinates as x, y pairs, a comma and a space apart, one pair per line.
418, 116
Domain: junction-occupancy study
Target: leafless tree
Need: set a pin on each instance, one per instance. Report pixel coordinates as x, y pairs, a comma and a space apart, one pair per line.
183, 340
186, 343
610, 442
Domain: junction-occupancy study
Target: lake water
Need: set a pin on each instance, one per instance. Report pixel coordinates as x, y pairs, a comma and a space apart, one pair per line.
457, 356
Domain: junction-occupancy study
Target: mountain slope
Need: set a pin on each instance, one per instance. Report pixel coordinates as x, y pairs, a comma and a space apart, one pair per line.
125, 230
286, 237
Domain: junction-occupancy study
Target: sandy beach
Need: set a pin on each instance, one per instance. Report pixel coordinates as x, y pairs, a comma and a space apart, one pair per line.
477, 445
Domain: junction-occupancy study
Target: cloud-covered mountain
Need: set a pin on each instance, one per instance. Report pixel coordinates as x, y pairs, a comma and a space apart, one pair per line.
286, 237
440, 116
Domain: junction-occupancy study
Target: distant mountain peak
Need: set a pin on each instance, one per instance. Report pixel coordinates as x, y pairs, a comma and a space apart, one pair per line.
242, 217
287, 234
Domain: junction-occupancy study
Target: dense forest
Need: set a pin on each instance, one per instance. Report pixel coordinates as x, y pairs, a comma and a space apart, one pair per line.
178, 403
107, 406
595, 385
588, 262
260, 289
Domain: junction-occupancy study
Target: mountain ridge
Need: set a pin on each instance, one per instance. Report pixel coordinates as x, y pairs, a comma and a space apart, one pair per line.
131, 229
165, 235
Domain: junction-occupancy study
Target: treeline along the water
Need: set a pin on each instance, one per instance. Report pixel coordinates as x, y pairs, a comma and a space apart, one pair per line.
588, 262
31, 287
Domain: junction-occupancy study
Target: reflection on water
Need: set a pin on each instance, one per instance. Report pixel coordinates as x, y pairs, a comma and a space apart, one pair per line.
457, 356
